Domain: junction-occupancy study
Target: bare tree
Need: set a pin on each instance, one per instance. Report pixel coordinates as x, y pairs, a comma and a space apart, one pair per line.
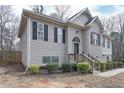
115, 25
119, 25
62, 12
11, 33
5, 17
37, 8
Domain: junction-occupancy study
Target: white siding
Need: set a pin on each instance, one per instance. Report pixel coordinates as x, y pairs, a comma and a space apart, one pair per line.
95, 50
106, 52
23, 44
85, 41
71, 34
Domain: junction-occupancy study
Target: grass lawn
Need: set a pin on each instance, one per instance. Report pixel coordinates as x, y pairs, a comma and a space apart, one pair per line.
13, 76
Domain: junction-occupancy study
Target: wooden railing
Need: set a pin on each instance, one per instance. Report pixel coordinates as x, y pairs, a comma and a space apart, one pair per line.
96, 60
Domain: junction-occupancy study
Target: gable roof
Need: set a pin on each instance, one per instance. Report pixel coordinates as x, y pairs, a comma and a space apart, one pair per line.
96, 18
90, 20
85, 11
27, 13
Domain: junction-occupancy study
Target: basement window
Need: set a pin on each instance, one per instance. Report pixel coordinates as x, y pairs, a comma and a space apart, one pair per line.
50, 60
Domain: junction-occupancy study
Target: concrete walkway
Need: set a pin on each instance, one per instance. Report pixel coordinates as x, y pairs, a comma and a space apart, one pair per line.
111, 72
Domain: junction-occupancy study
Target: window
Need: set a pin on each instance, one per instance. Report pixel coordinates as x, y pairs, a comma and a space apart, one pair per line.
95, 38
108, 44
59, 35
55, 60
103, 42
40, 32
46, 60
51, 60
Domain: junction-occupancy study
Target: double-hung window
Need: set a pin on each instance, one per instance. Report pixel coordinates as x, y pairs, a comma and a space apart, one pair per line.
40, 32
59, 35
95, 39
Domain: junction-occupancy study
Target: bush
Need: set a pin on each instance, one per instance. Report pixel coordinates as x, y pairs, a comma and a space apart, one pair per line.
109, 66
83, 68
115, 65
102, 67
67, 67
34, 69
120, 64
51, 67
74, 67
97, 65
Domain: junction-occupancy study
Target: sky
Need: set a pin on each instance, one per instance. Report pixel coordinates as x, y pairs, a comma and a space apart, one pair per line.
99, 10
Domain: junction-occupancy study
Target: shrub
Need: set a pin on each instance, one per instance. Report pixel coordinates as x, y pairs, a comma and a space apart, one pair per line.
115, 65
102, 67
97, 65
83, 68
120, 64
34, 69
109, 66
67, 67
51, 67
74, 67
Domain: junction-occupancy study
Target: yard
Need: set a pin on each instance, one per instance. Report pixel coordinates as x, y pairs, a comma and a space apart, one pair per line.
13, 76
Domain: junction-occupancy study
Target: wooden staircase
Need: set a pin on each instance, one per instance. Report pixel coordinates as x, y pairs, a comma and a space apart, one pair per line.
93, 60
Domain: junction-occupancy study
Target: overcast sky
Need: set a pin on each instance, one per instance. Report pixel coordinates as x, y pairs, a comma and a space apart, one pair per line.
100, 10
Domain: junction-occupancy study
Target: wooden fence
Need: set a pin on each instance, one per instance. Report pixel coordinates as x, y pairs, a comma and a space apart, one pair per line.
9, 57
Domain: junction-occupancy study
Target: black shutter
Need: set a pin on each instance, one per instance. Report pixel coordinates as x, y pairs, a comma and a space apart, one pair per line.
63, 35
45, 32
91, 37
55, 34
98, 39
34, 31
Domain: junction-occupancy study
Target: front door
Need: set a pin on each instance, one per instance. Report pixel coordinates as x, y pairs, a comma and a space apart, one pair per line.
76, 51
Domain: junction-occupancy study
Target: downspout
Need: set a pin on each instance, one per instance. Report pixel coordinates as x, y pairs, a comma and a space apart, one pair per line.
28, 41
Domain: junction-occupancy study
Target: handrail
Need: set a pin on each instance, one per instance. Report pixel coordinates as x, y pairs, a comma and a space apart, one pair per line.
88, 57
94, 58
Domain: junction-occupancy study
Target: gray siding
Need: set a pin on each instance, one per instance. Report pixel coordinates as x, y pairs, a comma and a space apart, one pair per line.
81, 20
40, 48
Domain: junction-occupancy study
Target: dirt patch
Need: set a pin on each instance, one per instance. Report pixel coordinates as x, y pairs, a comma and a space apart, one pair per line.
13, 76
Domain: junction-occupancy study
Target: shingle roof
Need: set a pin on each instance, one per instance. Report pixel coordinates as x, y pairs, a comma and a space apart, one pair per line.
90, 20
